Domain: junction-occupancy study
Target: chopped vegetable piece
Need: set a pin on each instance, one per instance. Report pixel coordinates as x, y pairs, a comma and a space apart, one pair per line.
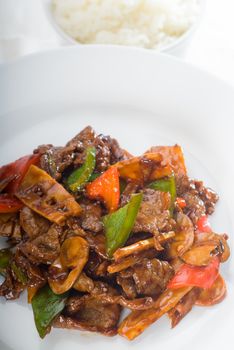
123, 263
184, 237
137, 321
207, 238
203, 224
46, 306
17, 170
32, 291
4, 182
145, 168
9, 204
196, 276
19, 274
181, 202
200, 255
106, 188
40, 192
5, 257
74, 255
122, 185
94, 176
142, 245
79, 177
166, 185
173, 156
118, 225
83, 283
213, 295
184, 306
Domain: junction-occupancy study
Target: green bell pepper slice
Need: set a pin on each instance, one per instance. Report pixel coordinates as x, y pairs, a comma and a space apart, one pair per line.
166, 185
79, 177
46, 306
5, 257
94, 176
119, 224
19, 274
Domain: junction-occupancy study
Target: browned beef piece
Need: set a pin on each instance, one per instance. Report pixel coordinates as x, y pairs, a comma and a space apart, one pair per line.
91, 314
82, 140
108, 152
96, 266
183, 307
103, 288
199, 199
131, 188
96, 288
207, 195
45, 248
33, 275
32, 223
55, 160
103, 153
154, 215
117, 153
10, 227
43, 149
91, 216
126, 281
148, 277
183, 185
7, 224
19, 274
11, 287
107, 149
97, 243
195, 207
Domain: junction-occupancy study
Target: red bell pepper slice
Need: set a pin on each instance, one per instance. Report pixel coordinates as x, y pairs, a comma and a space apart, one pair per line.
203, 224
17, 170
180, 202
106, 188
9, 204
196, 276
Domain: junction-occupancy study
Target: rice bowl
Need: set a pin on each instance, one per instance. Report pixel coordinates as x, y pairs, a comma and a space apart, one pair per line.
153, 24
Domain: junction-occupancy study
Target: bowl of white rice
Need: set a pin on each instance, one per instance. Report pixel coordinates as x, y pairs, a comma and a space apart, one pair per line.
161, 25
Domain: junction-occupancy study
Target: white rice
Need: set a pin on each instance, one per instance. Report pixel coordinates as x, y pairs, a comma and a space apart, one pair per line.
143, 23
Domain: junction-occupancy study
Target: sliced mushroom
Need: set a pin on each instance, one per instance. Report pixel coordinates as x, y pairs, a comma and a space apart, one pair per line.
73, 257
83, 283
183, 239
206, 238
213, 295
200, 255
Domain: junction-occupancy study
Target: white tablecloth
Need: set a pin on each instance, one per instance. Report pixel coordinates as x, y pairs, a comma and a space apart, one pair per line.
24, 28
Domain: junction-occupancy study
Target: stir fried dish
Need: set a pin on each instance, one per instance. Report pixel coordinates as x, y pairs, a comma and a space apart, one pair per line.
92, 230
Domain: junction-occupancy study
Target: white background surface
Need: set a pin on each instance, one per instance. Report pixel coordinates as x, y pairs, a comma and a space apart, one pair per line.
24, 29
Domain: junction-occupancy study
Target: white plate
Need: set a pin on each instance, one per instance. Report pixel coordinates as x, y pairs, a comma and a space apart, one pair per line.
142, 99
